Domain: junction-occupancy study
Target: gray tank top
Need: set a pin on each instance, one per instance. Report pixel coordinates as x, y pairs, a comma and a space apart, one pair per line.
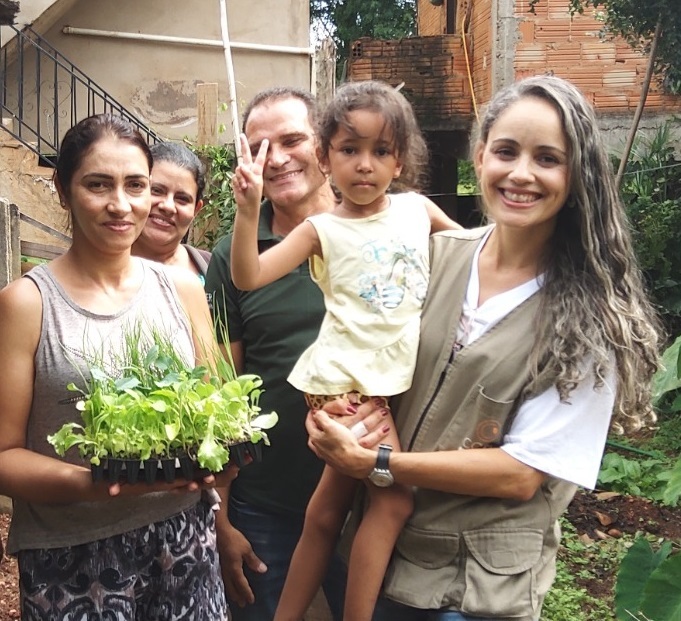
69, 336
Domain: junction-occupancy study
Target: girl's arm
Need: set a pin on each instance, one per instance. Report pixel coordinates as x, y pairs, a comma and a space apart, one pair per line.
251, 270
439, 220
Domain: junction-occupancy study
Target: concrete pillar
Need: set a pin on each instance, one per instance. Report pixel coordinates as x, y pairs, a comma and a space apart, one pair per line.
10, 249
505, 34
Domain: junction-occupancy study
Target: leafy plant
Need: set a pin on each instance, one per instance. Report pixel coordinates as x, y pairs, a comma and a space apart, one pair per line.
579, 562
667, 381
649, 584
467, 181
157, 406
651, 191
216, 218
638, 477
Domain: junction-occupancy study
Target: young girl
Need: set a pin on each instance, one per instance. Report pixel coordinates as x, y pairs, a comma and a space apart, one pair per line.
370, 258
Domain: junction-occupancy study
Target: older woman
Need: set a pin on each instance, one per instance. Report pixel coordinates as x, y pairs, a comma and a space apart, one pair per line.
177, 184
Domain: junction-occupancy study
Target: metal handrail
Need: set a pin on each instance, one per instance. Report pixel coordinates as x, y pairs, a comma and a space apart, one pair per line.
45, 94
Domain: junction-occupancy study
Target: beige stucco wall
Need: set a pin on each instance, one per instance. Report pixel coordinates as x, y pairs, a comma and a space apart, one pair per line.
158, 80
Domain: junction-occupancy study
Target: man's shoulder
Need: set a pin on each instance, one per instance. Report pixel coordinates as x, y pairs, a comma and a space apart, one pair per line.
222, 247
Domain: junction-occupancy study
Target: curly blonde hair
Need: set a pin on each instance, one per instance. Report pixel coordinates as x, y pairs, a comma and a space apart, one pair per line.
594, 304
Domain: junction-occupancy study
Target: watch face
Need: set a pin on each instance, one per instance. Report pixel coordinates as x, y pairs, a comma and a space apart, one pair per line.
381, 478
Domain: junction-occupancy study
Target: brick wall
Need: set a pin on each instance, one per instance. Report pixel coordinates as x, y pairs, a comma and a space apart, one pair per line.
481, 48
432, 20
433, 70
610, 73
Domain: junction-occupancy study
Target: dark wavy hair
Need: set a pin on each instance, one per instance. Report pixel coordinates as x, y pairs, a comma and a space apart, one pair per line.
78, 141
400, 124
182, 157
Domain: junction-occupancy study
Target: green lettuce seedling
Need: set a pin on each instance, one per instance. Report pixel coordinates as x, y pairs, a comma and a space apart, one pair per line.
158, 406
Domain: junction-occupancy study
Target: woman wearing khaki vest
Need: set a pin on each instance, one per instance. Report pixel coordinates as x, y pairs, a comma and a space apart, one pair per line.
536, 336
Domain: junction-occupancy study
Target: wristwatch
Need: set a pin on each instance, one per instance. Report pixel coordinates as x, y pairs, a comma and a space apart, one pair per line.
381, 476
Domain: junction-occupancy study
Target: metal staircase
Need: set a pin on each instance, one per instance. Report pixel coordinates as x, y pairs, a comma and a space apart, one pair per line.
43, 94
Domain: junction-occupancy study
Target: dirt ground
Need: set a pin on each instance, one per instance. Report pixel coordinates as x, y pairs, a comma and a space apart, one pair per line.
599, 515
9, 592
594, 515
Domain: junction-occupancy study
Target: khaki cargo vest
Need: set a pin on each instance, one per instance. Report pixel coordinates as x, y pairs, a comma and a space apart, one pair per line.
481, 556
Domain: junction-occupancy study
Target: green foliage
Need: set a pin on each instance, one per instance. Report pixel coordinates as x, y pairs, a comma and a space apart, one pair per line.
672, 492
651, 191
654, 477
667, 396
567, 600
649, 584
160, 407
638, 477
627, 19
667, 438
667, 380
216, 218
348, 20
467, 180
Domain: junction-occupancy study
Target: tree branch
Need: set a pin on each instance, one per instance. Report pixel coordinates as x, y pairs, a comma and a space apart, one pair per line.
641, 102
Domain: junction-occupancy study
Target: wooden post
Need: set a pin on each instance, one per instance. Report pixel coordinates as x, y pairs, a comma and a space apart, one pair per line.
10, 253
207, 104
324, 74
207, 134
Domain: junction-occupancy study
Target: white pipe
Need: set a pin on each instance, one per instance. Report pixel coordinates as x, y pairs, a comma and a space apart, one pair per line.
258, 47
230, 79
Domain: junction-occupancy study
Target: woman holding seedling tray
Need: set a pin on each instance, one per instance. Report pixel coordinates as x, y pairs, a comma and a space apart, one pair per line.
128, 342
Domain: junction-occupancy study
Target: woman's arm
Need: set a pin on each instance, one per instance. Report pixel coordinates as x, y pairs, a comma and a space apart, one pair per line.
193, 301
476, 472
23, 473
548, 437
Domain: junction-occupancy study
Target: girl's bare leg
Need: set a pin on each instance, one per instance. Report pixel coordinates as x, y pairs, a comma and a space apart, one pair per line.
388, 510
324, 520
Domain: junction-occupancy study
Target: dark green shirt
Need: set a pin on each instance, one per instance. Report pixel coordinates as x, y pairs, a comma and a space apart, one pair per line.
275, 325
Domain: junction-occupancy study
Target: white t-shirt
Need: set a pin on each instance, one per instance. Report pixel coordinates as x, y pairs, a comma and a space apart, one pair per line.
564, 440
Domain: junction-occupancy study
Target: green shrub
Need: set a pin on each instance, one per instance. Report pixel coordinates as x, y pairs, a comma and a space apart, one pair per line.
649, 584
651, 191
637, 477
568, 600
216, 218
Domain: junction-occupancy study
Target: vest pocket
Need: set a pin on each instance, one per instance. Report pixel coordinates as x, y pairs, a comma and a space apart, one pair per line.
430, 549
500, 574
430, 570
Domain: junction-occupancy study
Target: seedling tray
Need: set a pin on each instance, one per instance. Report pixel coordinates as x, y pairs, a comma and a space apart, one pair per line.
120, 470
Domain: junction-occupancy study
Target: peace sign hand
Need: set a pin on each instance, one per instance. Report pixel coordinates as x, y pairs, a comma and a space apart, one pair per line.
247, 181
